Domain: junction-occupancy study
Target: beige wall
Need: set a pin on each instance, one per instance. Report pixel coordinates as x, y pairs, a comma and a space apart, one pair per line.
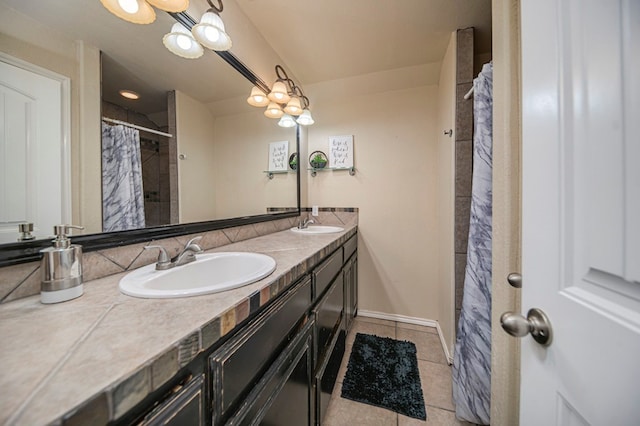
445, 192
241, 159
505, 363
196, 172
395, 149
30, 41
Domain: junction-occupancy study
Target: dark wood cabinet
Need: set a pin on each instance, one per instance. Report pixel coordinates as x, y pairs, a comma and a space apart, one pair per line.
350, 272
283, 396
184, 407
239, 364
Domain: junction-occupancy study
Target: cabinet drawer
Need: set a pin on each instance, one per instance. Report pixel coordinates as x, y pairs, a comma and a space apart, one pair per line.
328, 314
350, 247
239, 364
323, 274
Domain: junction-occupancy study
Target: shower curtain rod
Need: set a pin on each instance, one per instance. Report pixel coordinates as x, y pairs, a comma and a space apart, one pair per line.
469, 94
135, 126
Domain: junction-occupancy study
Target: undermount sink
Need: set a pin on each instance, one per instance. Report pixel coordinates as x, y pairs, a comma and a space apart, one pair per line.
318, 229
209, 273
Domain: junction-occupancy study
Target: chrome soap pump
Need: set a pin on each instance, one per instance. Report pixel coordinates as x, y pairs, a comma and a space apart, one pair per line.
61, 268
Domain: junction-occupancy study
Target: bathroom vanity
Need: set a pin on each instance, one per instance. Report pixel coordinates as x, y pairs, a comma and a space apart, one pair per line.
266, 353
280, 367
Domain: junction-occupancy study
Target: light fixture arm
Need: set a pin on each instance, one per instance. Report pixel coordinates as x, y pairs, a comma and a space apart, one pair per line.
293, 89
300, 94
219, 7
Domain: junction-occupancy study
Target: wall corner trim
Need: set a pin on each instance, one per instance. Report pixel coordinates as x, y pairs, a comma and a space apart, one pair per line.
412, 320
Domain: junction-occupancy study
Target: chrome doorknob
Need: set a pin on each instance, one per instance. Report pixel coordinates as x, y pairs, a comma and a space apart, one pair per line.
537, 323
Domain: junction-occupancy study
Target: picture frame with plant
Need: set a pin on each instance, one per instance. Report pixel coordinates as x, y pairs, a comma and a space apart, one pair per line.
318, 160
293, 161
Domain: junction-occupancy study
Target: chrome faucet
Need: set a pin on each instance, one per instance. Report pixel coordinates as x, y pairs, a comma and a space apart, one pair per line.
304, 223
187, 255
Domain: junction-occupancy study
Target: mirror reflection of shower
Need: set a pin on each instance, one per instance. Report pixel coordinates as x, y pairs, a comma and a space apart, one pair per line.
134, 198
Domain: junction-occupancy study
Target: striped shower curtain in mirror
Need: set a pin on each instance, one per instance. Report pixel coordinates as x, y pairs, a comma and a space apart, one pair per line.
122, 196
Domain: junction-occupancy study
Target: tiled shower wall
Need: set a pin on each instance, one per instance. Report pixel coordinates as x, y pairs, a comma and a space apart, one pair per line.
464, 157
18, 281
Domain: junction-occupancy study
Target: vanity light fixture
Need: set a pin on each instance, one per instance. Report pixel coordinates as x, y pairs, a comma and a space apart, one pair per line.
279, 93
293, 106
173, 6
273, 110
257, 98
210, 31
283, 95
180, 42
129, 94
134, 11
286, 121
305, 118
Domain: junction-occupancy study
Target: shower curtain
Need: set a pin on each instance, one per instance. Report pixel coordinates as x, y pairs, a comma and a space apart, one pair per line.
472, 355
122, 196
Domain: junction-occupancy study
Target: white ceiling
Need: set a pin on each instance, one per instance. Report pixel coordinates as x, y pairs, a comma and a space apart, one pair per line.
322, 40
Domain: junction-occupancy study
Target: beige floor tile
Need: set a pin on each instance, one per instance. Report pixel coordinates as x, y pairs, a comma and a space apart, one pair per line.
423, 328
370, 328
429, 347
435, 417
344, 412
436, 384
360, 318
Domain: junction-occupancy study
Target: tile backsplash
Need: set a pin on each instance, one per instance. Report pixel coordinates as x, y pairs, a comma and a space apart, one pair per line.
22, 280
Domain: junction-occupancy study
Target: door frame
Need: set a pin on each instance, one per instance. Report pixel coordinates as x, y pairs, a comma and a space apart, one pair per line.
65, 126
507, 190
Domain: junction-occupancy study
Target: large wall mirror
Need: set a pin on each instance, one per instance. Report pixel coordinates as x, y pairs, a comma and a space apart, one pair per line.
204, 152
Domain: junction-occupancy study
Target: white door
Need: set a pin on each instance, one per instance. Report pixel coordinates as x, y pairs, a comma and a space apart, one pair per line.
34, 155
581, 210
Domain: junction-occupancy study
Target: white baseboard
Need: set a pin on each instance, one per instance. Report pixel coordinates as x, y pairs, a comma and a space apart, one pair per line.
411, 320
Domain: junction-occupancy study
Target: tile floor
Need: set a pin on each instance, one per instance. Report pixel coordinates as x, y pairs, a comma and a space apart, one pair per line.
435, 376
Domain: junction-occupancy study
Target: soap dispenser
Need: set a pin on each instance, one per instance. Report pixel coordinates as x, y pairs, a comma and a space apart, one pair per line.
61, 268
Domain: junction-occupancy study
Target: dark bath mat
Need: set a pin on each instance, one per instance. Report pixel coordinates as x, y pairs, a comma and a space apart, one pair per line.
384, 372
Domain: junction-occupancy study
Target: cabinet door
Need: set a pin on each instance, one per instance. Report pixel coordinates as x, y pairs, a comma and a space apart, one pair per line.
354, 286
283, 397
328, 315
327, 374
238, 365
350, 272
292, 404
183, 408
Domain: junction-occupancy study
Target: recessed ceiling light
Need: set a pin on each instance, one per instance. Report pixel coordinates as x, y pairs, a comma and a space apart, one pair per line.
129, 94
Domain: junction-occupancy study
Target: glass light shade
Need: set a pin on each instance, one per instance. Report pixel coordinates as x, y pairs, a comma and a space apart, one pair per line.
293, 107
210, 32
287, 121
180, 42
273, 110
129, 94
134, 11
305, 118
257, 98
279, 93
170, 5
